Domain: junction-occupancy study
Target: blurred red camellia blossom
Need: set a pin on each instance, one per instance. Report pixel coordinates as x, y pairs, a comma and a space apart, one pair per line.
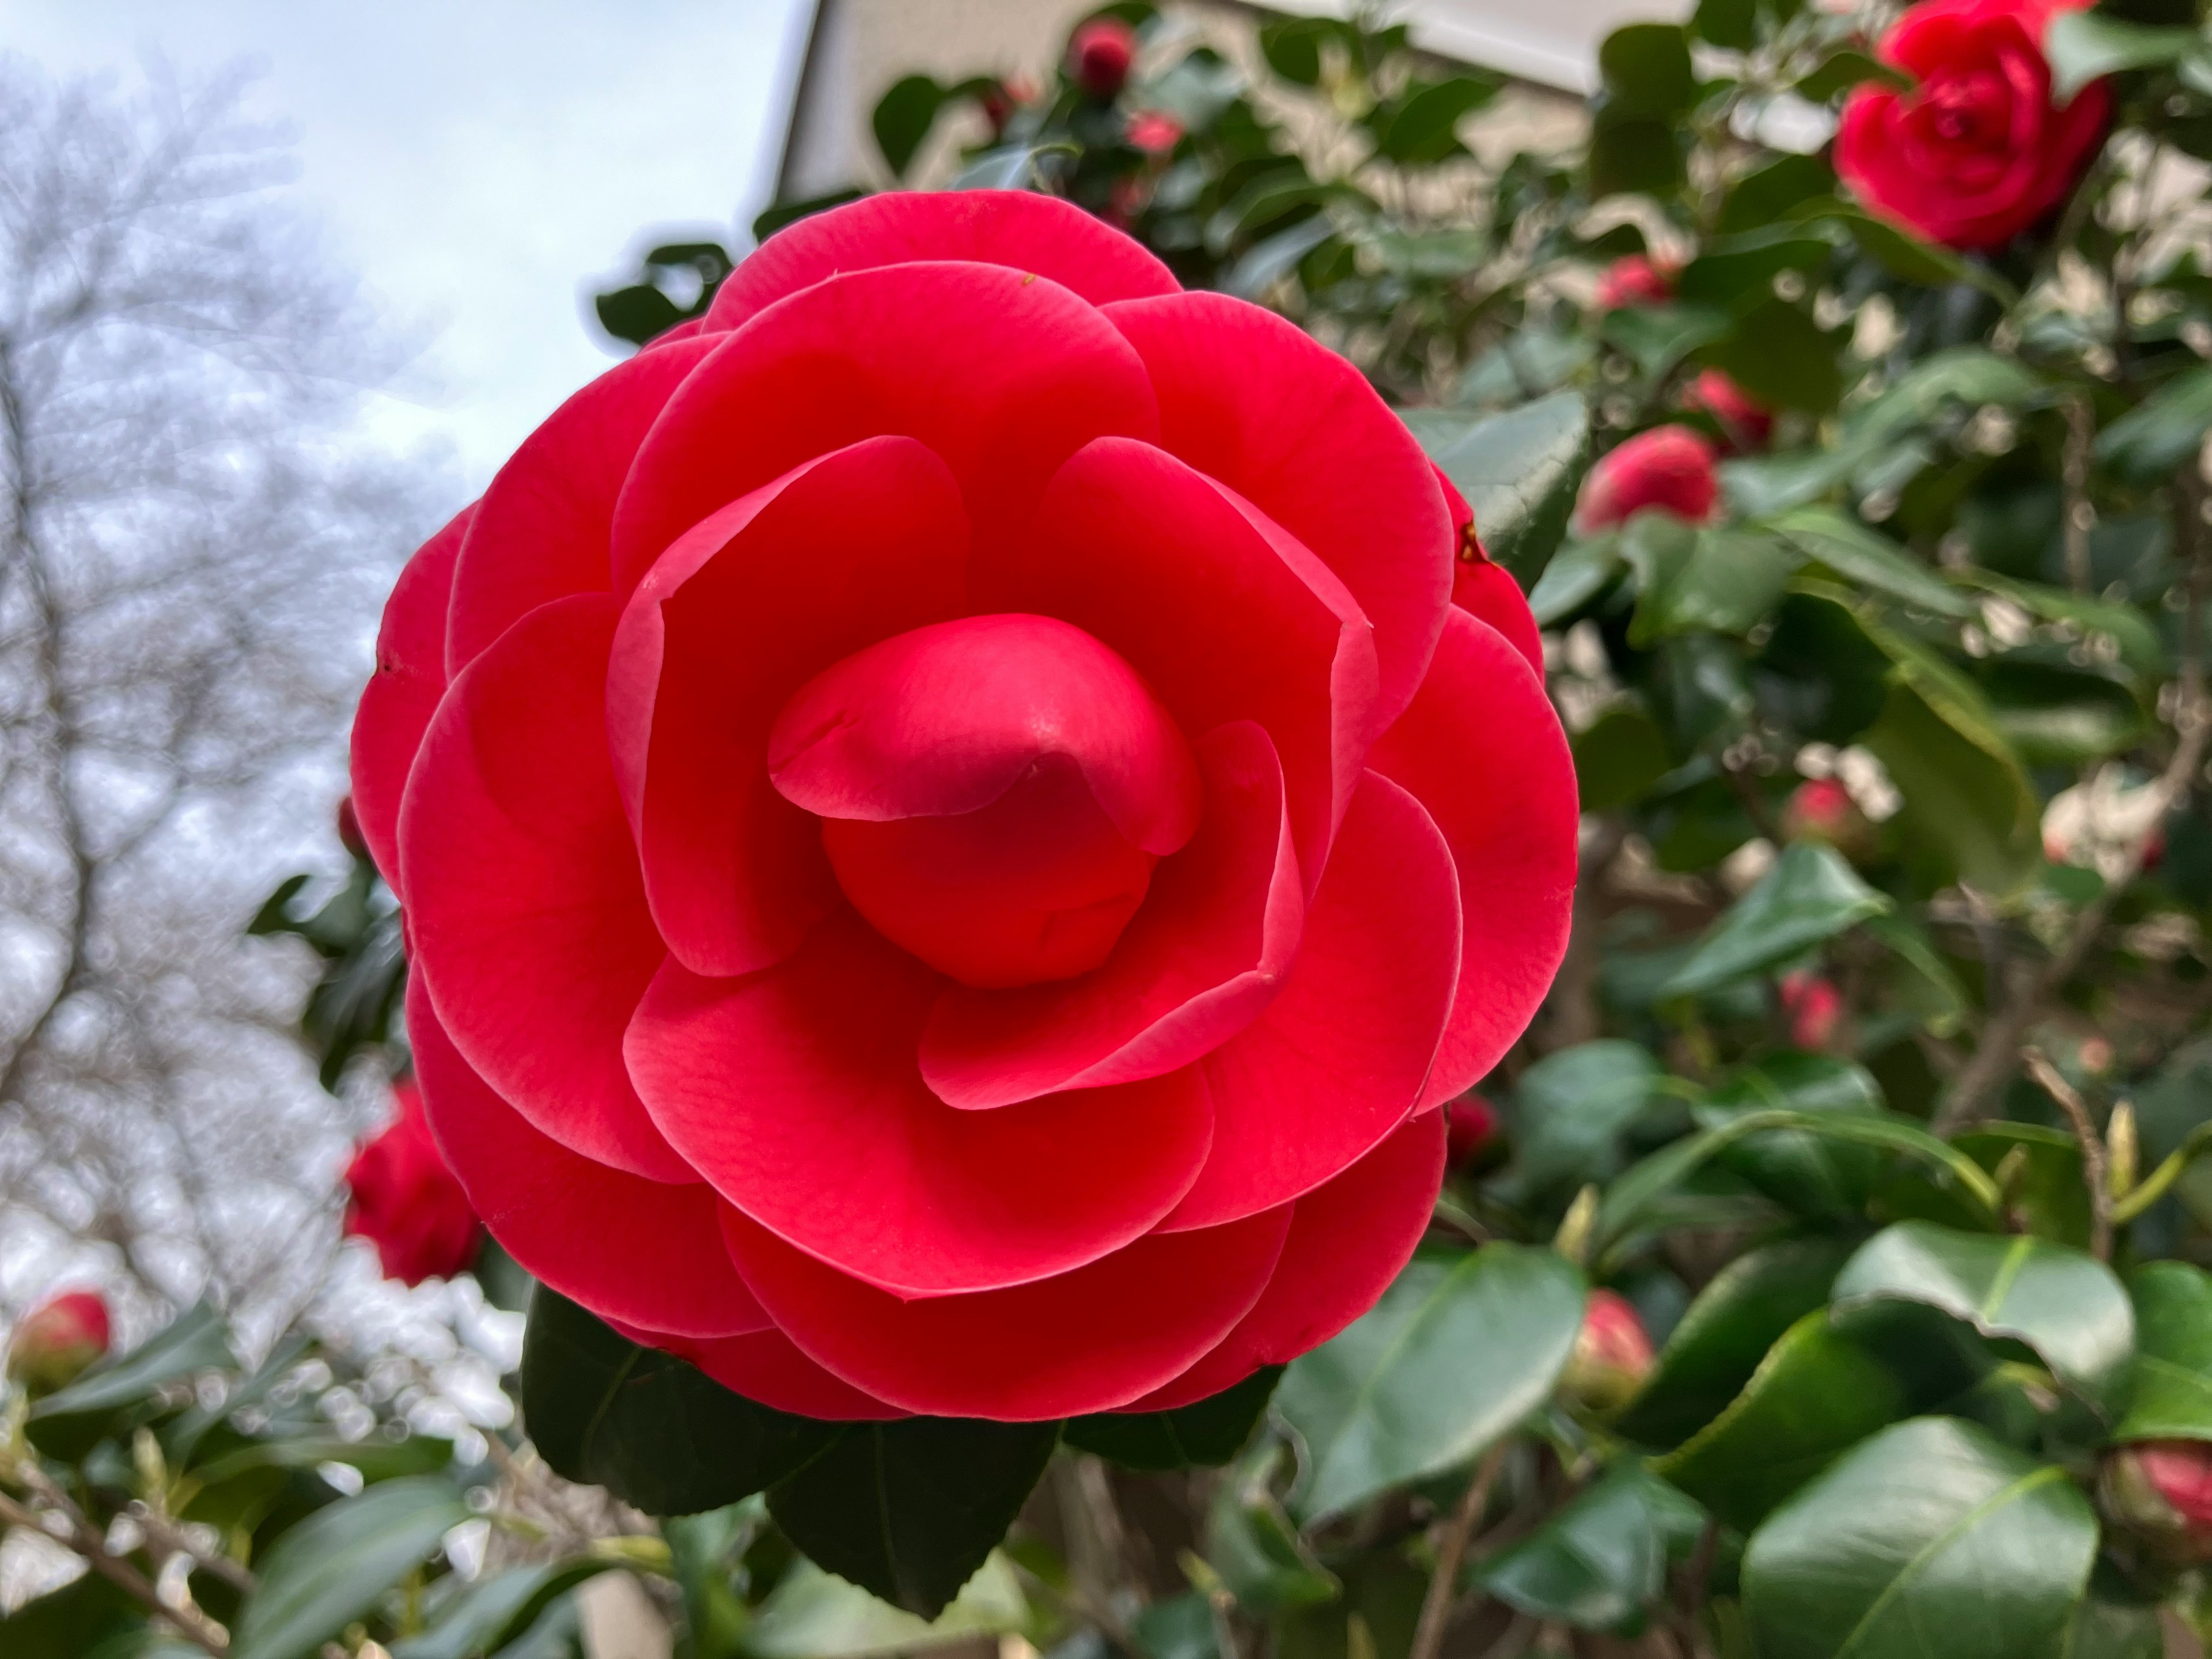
1815, 1008
1667, 469
1977, 151
1821, 809
58, 1340
1612, 1355
1099, 55
406, 1202
952, 837
1154, 133
1635, 279
1747, 422
2161, 1491
1473, 1129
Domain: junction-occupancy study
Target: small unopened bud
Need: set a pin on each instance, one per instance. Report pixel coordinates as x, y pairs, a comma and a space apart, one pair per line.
1667, 469
58, 1340
1612, 1356
1100, 54
1472, 1135
1154, 133
2161, 1490
2122, 1151
1822, 809
1633, 280
1815, 1008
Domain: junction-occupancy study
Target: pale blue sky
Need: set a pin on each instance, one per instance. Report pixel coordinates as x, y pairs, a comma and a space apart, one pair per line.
478, 161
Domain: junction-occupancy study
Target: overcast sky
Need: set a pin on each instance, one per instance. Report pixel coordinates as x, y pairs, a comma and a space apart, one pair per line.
477, 162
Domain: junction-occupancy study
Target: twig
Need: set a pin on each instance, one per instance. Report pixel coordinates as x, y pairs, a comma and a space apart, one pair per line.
188, 1621
2073, 475
1443, 1582
2093, 1149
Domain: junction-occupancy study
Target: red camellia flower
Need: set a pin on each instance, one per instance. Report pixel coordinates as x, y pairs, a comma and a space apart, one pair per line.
406, 1202
1815, 1008
1668, 469
58, 1340
951, 835
1821, 809
1154, 133
1099, 56
1748, 422
2161, 1491
1635, 279
1977, 152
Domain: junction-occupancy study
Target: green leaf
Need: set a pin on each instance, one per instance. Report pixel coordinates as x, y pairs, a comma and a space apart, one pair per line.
1810, 895
1726, 1333
121, 1388
1646, 70
2171, 1395
1570, 1106
2148, 442
1631, 154
2044, 1184
1572, 579
1726, 583
909, 1511
1619, 757
1600, 1560
1276, 256
71, 1622
2112, 1621
902, 119
376, 1459
335, 1565
1729, 267
1519, 470
1872, 561
1814, 1176
1902, 254
1931, 1540
2085, 45
649, 1428
1422, 129
1293, 47
1731, 25
1841, 70
1454, 1356
1658, 337
1767, 193
1778, 354
495, 1610
2065, 1305
813, 1614
1251, 1543
1967, 801
1814, 1396
1206, 1433
2140, 646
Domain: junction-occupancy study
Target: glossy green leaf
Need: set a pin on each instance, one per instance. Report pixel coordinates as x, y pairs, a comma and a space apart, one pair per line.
2083, 46
902, 119
1455, 1355
2112, 1621
2043, 1176
1729, 267
1421, 128
1600, 1560
1581, 571
813, 1614
120, 1391
1844, 69
1250, 1542
1969, 809
1806, 1173
649, 1428
1519, 470
495, 1609
1816, 1394
1810, 896
2171, 1395
1646, 69
1725, 581
1930, 1540
1620, 755
1570, 1106
71, 1622
2065, 1305
2150, 441
1871, 560
1729, 24
1658, 337
1725, 1335
1777, 353
1631, 153
1206, 1433
333, 1567
910, 1510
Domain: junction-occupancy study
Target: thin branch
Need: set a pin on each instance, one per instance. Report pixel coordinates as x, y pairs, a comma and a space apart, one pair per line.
2093, 1163
188, 1621
1452, 1550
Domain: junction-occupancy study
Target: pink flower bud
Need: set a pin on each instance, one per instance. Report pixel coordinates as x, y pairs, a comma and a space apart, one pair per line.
1473, 1130
2161, 1491
1747, 422
1635, 279
406, 1202
1154, 133
1821, 809
1100, 54
58, 1340
1668, 469
1815, 1008
1612, 1356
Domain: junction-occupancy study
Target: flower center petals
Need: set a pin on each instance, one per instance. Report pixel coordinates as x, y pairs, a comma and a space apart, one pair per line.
994, 792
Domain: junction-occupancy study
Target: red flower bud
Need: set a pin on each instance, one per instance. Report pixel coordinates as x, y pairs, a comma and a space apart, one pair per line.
1747, 422
1154, 133
350, 836
1635, 279
1473, 1129
1612, 1355
57, 1340
406, 1202
1821, 809
2161, 1491
1668, 469
1815, 1008
1100, 54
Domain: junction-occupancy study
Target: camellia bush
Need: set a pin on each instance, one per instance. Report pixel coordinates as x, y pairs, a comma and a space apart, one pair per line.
1270, 887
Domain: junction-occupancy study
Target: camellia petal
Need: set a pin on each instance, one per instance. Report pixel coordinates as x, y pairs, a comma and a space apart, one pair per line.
402, 692
865, 542
767, 1368
1488, 593
1095, 1338
1338, 1059
1296, 430
630, 1249
1348, 1238
1479, 750
1207, 953
525, 907
1038, 374
795, 1092
1021, 229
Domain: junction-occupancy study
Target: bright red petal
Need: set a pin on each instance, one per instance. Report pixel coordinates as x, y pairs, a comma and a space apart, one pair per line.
1018, 228
1348, 1239
1205, 955
767, 1369
524, 905
863, 543
795, 1091
1085, 1341
541, 533
402, 692
1488, 593
1482, 751
1004, 375
626, 1247
1256, 402
1338, 1060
